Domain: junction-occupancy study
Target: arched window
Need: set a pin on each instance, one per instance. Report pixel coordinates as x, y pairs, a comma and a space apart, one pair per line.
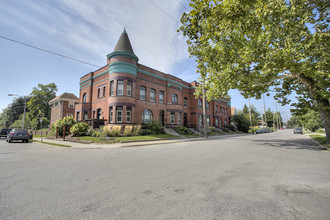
147, 116
174, 99
185, 102
84, 99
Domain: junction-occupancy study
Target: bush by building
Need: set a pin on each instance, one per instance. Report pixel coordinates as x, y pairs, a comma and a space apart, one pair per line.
79, 129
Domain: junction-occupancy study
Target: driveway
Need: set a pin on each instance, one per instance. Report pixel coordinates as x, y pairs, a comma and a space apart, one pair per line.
268, 176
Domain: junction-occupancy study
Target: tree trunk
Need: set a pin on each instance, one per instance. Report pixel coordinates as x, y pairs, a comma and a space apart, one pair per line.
323, 107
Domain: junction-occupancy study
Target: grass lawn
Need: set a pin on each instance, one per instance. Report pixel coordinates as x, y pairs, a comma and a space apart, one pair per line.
321, 139
53, 144
127, 139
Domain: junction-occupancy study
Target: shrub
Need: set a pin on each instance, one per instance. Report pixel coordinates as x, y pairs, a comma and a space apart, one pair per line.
136, 130
146, 132
155, 126
128, 130
113, 131
241, 122
231, 127
67, 122
95, 133
79, 129
183, 130
225, 129
211, 129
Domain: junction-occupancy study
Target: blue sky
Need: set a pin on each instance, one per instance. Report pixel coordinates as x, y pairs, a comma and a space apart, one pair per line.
88, 31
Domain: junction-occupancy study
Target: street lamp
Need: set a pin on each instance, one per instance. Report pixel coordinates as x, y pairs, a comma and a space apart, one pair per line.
24, 107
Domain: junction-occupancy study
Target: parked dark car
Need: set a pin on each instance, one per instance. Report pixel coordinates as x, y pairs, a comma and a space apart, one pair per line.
4, 132
297, 131
18, 134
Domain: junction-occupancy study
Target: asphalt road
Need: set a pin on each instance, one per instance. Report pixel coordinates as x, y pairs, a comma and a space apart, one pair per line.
268, 176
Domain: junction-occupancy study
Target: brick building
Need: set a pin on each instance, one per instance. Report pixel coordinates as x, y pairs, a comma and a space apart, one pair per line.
62, 106
127, 92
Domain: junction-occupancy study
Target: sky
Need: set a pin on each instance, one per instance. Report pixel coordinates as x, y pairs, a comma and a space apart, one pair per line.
87, 31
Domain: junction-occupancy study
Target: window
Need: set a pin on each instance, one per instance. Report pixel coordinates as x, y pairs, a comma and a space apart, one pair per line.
142, 93
129, 88
200, 119
78, 116
172, 118
119, 114
85, 115
98, 113
58, 116
71, 105
103, 91
225, 122
220, 109
128, 114
147, 116
174, 99
199, 104
185, 102
98, 92
111, 88
111, 114
120, 87
161, 97
179, 118
217, 122
208, 120
207, 105
152, 95
69, 115
93, 117
216, 109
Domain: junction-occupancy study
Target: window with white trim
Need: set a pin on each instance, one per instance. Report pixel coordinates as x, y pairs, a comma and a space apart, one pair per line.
128, 114
120, 87
119, 114
161, 97
185, 102
174, 98
172, 118
147, 116
112, 88
84, 99
152, 95
179, 118
142, 93
129, 88
71, 105
199, 104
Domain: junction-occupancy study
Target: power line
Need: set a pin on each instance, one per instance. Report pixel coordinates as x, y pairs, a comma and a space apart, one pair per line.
182, 5
164, 11
48, 51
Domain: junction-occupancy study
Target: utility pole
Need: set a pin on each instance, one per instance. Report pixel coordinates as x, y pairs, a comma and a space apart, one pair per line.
250, 117
262, 116
204, 110
277, 117
263, 99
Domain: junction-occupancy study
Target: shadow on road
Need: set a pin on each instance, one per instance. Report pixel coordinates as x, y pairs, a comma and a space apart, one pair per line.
298, 144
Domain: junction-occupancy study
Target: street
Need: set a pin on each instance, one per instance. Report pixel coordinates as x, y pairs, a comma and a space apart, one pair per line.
268, 176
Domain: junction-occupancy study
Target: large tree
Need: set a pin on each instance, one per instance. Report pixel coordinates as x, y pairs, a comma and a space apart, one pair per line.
253, 45
40, 96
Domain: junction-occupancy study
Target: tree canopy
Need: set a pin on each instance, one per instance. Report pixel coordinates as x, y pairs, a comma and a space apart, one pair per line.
256, 45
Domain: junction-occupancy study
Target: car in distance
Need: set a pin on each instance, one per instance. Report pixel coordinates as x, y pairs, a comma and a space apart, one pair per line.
18, 134
297, 131
4, 132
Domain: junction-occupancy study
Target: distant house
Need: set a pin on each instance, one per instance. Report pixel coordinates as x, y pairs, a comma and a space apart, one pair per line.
63, 106
233, 111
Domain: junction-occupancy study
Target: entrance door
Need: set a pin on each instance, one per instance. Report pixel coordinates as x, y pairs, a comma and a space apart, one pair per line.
185, 119
161, 117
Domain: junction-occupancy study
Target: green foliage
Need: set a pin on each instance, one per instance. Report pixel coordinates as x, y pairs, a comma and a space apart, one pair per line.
241, 122
79, 129
183, 130
224, 129
40, 96
231, 128
311, 120
255, 115
112, 131
154, 127
13, 112
294, 122
67, 122
254, 46
128, 130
